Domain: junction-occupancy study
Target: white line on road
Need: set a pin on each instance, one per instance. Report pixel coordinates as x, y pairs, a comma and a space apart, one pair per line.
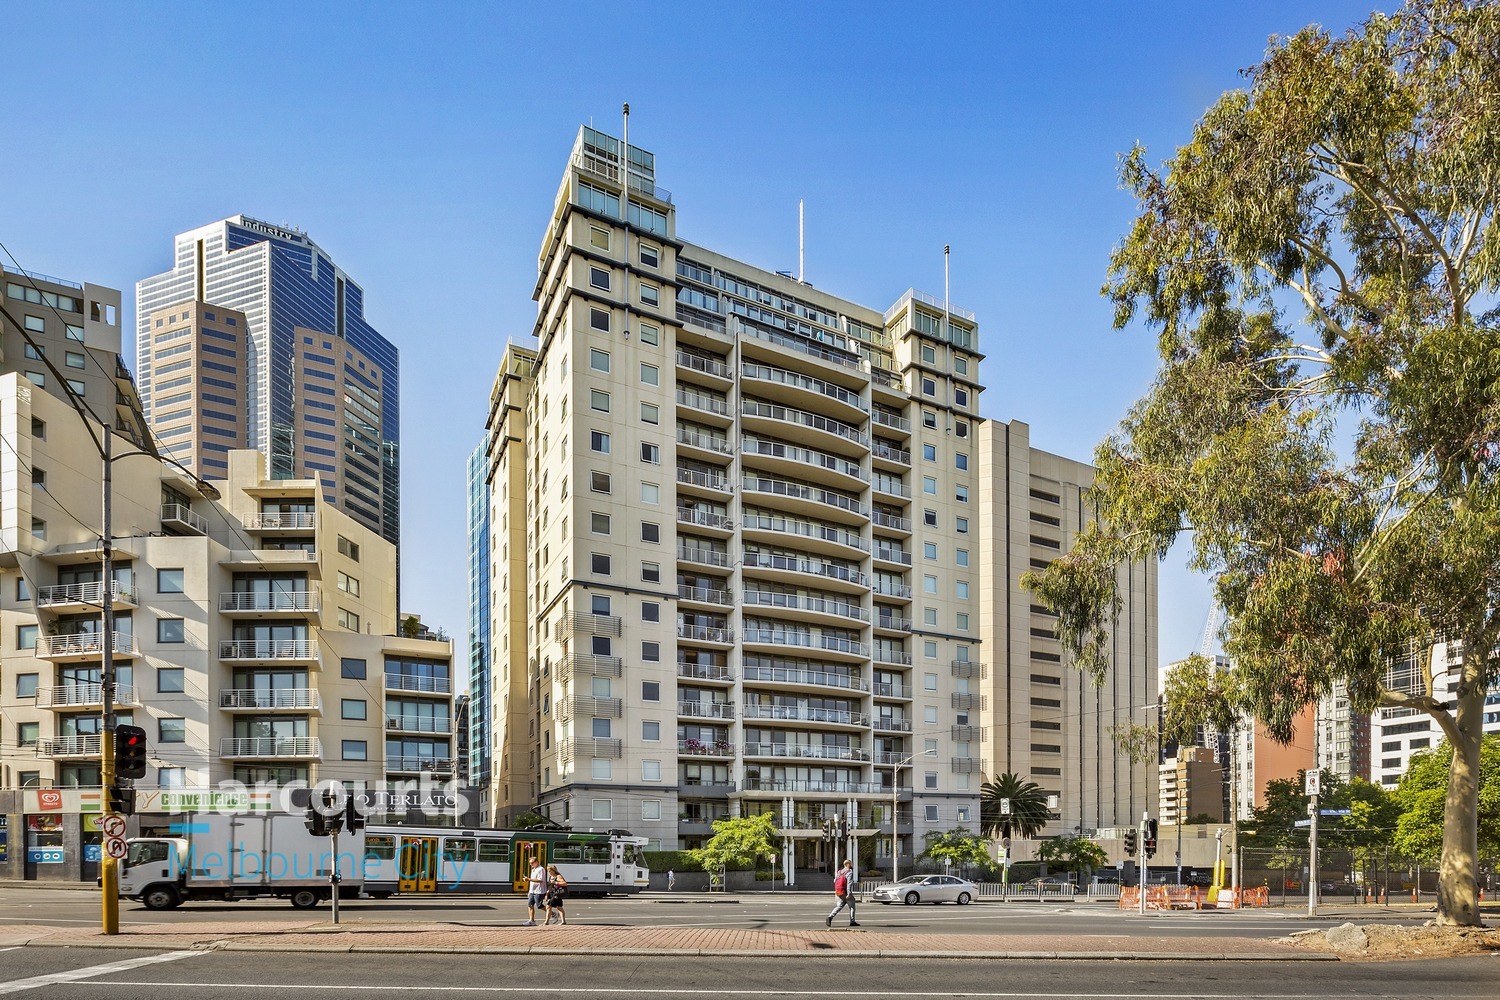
73, 976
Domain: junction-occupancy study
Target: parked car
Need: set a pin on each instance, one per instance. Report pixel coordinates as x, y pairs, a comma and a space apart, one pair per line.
927, 889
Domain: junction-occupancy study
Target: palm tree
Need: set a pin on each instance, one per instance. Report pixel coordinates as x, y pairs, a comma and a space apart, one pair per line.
1028, 806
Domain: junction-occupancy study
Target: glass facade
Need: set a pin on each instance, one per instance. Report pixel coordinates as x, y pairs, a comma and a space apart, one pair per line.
479, 619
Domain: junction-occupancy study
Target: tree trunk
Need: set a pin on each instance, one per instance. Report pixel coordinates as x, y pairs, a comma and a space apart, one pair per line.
1458, 889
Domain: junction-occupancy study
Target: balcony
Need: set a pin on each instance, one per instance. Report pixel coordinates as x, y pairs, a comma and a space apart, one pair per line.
289, 747
891, 487
80, 647
596, 624
275, 522
585, 707
798, 564
590, 665
894, 591
704, 365
590, 746
806, 640
418, 684
67, 697
703, 555
714, 444
967, 702
280, 604
418, 724
800, 677
892, 724
704, 748
804, 713
705, 633
892, 420
706, 709
816, 531
705, 518
72, 598
421, 765
899, 657
965, 734
704, 671
270, 700
69, 746
808, 751
794, 387
262, 560
279, 650
758, 784
893, 623
965, 765
774, 417
890, 453
902, 691
891, 522
704, 403
802, 602
896, 556
812, 349
793, 459
966, 668
177, 519
718, 482
706, 595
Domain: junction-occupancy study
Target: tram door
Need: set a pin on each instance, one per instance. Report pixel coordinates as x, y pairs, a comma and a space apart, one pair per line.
525, 855
419, 864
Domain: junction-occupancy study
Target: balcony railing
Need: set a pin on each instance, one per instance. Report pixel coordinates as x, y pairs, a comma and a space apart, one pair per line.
71, 695
897, 656
891, 487
885, 419
708, 366
90, 594
893, 555
807, 347
278, 521
591, 746
395, 681
84, 644
794, 675
823, 605
703, 401
890, 452
305, 699
767, 373
706, 709
419, 724
884, 589
594, 666
704, 671
892, 690
788, 525
706, 595
271, 746
176, 515
268, 649
705, 633
703, 554
797, 564
707, 442
890, 724
965, 701
805, 751
705, 748
966, 765
433, 765
895, 622
597, 624
750, 444
758, 784
69, 746
891, 521
707, 480
586, 706
281, 600
806, 640
704, 518
966, 668
816, 421
965, 734
804, 713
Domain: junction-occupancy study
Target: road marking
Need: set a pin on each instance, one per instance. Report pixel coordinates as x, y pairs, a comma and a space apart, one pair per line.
608, 991
75, 975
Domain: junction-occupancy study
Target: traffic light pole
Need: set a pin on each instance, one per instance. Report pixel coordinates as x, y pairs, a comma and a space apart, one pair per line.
109, 869
1145, 861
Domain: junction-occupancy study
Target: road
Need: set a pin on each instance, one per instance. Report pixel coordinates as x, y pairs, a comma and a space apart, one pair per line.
761, 911
101, 974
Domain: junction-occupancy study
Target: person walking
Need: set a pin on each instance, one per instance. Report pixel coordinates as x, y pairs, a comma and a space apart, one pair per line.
536, 890
843, 888
671, 880
557, 889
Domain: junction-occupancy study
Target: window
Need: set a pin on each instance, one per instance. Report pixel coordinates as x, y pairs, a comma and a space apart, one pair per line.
929, 354
650, 532
355, 749
961, 494
348, 584
929, 453
598, 360
601, 769
961, 525
599, 400
599, 441
960, 397
38, 477
598, 523
601, 645
348, 620
26, 683
650, 255
650, 690
961, 461
961, 557
650, 493
929, 649
929, 682
599, 320
599, 237
39, 429
650, 453
651, 732
599, 482
171, 730
962, 622
929, 780
348, 548
650, 335
929, 386
929, 518
961, 589
603, 809
650, 770
31, 353
929, 584
37, 379
650, 374
599, 564
961, 428
929, 485
650, 809
932, 811
598, 278
73, 359
929, 550
170, 680
929, 617
351, 668
650, 413
27, 733
651, 652
169, 630
600, 729
599, 604
169, 581
929, 418
651, 572
650, 611
39, 528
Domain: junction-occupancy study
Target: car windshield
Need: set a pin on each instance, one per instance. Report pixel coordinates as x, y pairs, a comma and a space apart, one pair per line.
913, 880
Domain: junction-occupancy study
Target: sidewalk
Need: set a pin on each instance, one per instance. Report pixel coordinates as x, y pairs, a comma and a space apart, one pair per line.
584, 939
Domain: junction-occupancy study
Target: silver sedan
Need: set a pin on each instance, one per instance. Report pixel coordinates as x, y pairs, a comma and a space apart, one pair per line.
927, 889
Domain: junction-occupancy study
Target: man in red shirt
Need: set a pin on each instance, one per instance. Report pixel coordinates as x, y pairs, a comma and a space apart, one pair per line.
843, 888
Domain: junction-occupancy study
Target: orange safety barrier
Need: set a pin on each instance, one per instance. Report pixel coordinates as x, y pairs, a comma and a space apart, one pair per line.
1130, 897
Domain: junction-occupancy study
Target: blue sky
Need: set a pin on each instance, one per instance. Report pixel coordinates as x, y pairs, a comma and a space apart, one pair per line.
421, 145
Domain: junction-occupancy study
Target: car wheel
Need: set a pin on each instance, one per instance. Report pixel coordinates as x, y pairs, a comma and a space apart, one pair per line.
305, 899
963, 899
160, 897
912, 899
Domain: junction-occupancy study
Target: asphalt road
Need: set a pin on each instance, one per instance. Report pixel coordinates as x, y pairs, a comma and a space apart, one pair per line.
101, 974
766, 910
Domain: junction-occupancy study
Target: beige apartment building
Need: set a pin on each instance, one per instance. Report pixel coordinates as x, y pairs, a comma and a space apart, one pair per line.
757, 572
1192, 787
255, 637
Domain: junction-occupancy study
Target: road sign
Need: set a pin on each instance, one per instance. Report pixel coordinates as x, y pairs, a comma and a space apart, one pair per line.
114, 847
1005, 807
1334, 812
1302, 822
112, 826
1314, 782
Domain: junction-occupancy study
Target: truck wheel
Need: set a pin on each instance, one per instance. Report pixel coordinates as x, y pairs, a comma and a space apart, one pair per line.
305, 899
160, 897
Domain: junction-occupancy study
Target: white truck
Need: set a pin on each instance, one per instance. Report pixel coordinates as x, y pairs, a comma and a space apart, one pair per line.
237, 857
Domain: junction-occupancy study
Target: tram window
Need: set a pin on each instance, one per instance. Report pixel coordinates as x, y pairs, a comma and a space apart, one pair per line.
380, 848
567, 852
458, 849
596, 854
494, 850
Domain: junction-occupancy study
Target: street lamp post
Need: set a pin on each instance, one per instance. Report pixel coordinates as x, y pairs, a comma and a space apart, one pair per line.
895, 800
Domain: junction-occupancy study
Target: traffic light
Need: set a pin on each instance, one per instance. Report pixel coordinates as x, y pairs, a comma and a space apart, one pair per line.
354, 820
843, 826
130, 752
1149, 844
325, 813
121, 801
1130, 843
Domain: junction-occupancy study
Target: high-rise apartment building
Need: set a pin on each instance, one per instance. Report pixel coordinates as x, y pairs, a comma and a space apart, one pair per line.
477, 738
255, 339
1192, 787
1396, 734
1343, 736
743, 557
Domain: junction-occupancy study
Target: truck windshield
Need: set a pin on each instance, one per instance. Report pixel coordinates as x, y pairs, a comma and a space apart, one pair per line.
146, 851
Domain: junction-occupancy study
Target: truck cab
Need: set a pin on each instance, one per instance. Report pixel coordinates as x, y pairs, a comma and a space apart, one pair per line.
154, 871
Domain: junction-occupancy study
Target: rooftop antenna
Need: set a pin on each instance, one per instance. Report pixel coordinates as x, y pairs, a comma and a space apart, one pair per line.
801, 243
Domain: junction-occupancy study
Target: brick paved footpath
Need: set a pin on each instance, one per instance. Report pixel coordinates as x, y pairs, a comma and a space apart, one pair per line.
384, 936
